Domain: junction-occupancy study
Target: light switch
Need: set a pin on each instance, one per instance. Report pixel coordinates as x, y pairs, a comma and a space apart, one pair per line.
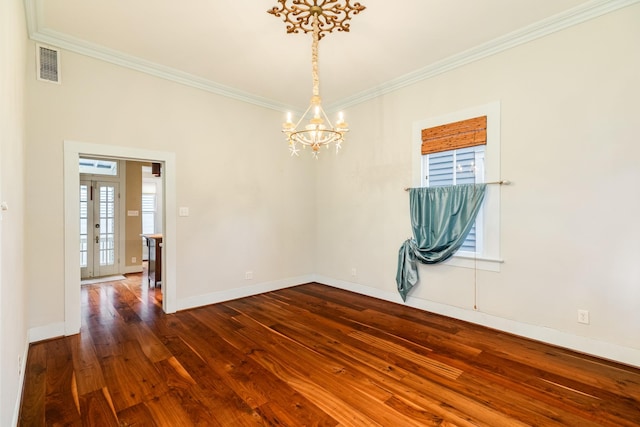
183, 211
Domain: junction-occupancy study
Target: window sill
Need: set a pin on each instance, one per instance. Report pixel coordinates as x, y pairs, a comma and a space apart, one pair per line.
467, 260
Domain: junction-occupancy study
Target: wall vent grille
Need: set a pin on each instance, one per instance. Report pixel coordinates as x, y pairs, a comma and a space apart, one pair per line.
48, 62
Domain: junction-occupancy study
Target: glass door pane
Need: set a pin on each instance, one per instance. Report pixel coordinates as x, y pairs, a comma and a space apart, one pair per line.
107, 227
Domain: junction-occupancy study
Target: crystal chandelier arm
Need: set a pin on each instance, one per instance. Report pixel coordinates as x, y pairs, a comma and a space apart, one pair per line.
326, 118
303, 116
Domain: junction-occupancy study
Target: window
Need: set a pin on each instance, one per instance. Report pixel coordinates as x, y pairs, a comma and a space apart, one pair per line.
442, 159
148, 212
453, 167
98, 167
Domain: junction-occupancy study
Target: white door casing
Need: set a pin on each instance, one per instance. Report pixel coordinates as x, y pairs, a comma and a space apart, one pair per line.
72, 152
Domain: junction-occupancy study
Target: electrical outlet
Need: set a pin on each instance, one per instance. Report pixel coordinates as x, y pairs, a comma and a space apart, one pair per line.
248, 275
354, 272
583, 316
134, 259
19, 364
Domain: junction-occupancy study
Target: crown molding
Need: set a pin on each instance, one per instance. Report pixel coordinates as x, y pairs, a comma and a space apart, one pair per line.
157, 70
561, 21
33, 11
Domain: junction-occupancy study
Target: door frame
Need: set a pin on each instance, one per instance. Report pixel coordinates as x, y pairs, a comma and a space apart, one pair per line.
72, 152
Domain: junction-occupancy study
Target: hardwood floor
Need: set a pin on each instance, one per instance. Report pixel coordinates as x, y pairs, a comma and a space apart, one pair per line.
309, 355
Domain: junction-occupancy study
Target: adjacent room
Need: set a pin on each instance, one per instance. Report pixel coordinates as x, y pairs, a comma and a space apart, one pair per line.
320, 213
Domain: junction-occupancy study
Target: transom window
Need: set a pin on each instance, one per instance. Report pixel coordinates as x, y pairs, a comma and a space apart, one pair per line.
98, 167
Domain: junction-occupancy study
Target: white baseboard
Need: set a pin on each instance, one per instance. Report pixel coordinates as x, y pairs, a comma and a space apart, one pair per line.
605, 350
221, 296
132, 269
46, 332
23, 367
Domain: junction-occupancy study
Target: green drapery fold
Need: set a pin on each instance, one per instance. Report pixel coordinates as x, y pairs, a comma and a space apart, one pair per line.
441, 218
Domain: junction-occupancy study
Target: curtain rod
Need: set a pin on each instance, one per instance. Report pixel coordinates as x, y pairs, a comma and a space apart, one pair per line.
501, 182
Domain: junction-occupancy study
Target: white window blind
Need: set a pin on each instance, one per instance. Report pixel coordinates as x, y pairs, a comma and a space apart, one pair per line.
453, 167
148, 213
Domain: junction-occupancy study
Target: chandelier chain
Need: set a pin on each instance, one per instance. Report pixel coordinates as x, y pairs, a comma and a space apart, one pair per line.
314, 57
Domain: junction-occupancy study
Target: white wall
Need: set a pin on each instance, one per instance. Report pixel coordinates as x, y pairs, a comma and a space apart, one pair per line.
570, 230
250, 208
13, 327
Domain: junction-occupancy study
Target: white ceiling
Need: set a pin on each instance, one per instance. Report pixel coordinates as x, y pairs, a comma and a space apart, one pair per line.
234, 47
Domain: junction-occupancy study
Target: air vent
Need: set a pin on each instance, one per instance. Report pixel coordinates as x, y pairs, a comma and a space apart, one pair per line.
48, 61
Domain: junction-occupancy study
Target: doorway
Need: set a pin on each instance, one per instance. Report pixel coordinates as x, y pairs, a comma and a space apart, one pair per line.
73, 150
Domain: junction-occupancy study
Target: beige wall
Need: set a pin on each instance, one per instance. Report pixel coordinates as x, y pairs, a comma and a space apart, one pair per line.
569, 222
251, 205
133, 224
13, 326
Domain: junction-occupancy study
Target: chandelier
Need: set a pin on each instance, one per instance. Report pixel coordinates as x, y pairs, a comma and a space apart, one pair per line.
323, 16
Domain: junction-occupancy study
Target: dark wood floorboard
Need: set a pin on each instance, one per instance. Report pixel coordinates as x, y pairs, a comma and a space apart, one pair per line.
310, 355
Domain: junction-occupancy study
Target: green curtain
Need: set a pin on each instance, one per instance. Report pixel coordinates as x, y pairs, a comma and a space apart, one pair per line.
441, 218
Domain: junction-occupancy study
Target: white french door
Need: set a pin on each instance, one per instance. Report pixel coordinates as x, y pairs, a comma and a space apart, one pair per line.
99, 224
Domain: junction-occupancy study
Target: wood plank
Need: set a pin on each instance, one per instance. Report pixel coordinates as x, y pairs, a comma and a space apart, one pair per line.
33, 400
256, 385
223, 406
138, 416
150, 344
61, 402
167, 411
309, 355
97, 409
387, 377
347, 385
85, 364
131, 377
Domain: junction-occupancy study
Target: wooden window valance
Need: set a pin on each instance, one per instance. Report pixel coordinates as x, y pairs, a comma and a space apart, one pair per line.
452, 136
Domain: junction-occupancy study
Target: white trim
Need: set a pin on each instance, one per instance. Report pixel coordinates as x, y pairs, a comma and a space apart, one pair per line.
558, 22
122, 208
480, 263
231, 294
561, 21
23, 367
46, 332
627, 355
58, 63
129, 269
72, 152
102, 53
